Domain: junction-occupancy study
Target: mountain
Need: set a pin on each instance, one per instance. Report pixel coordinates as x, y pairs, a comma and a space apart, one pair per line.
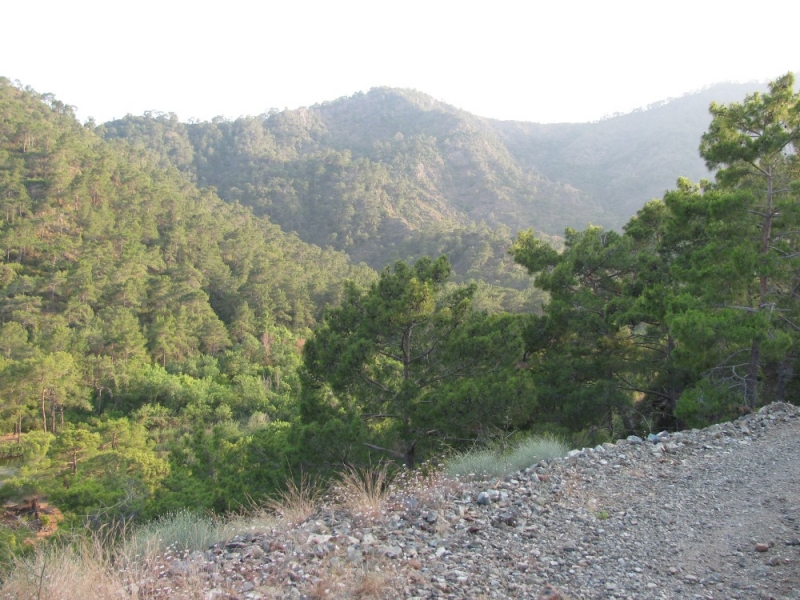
382, 164
137, 314
97, 234
368, 173
623, 161
158, 285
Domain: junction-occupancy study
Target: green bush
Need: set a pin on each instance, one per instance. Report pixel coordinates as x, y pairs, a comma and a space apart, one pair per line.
706, 404
12, 544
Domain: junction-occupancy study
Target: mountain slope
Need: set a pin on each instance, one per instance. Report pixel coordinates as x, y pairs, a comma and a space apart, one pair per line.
147, 328
91, 226
366, 169
394, 173
363, 172
624, 161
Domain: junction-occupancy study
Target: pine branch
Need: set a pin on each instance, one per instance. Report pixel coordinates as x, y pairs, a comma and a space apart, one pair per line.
634, 388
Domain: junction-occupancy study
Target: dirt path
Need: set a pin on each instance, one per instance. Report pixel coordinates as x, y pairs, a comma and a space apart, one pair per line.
720, 518
734, 503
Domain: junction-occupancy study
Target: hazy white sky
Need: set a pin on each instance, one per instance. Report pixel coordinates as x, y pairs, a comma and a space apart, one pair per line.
528, 60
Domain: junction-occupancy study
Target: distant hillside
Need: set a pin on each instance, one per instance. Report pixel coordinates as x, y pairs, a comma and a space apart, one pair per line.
623, 161
395, 174
91, 226
366, 170
453, 158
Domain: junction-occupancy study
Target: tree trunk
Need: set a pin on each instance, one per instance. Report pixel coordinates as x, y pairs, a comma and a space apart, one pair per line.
751, 380
775, 379
52, 414
410, 455
44, 413
785, 374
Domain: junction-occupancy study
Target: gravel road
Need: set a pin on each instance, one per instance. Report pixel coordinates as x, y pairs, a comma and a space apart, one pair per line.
711, 513
717, 518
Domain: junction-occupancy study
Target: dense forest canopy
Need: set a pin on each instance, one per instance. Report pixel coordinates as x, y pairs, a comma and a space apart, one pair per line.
185, 319
130, 296
414, 159
396, 175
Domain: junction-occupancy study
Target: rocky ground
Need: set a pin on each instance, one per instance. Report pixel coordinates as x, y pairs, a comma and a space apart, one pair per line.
697, 514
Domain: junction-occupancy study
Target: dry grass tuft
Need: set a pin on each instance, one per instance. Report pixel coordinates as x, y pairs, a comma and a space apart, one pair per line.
112, 565
333, 582
79, 571
430, 488
322, 590
298, 502
370, 585
363, 492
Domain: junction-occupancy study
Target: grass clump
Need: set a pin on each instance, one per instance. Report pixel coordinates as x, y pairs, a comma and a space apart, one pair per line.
363, 491
491, 463
117, 562
297, 502
476, 462
533, 449
181, 531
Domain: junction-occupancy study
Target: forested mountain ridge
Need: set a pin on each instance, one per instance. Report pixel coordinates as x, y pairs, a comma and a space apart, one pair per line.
137, 312
392, 161
71, 199
393, 174
379, 196
375, 165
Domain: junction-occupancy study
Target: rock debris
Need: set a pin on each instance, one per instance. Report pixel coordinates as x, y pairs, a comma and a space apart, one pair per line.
707, 514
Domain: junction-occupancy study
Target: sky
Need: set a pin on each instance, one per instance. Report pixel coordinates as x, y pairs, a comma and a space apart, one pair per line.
524, 60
